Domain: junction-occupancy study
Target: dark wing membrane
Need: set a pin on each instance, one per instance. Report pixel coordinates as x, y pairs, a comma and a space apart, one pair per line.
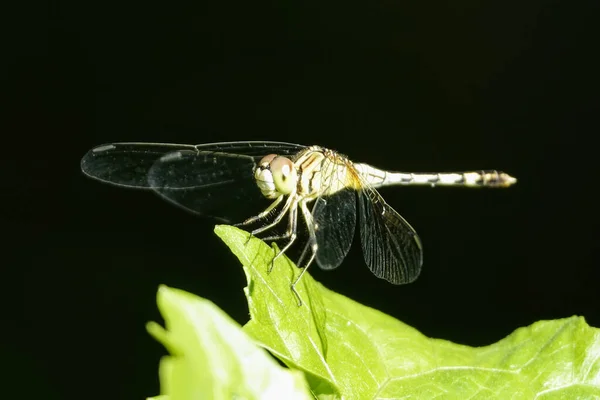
213, 180
221, 185
127, 164
335, 218
391, 247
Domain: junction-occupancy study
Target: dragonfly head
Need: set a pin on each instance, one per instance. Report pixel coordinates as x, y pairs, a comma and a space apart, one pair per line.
275, 176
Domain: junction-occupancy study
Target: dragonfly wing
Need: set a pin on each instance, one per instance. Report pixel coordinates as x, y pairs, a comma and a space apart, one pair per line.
207, 183
125, 164
391, 247
213, 180
128, 163
335, 219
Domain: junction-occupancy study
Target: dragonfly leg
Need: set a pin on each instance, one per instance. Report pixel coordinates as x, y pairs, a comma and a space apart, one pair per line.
291, 234
304, 251
293, 213
277, 219
260, 216
263, 214
312, 245
312, 239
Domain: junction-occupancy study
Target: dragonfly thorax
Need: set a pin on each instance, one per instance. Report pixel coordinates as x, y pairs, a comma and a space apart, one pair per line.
275, 176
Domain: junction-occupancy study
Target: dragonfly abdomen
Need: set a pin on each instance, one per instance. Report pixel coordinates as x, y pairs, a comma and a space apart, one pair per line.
483, 178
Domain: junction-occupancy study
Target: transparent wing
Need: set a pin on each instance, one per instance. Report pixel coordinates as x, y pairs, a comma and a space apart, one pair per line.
335, 218
127, 164
212, 179
391, 247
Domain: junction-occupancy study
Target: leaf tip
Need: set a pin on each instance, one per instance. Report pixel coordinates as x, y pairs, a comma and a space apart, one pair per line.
221, 230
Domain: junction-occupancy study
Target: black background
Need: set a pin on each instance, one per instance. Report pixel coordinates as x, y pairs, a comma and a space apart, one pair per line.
409, 86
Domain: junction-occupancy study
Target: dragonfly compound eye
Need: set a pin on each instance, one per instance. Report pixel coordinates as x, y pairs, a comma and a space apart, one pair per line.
266, 160
284, 174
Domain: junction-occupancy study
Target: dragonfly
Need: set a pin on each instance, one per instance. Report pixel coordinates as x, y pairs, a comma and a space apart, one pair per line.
323, 188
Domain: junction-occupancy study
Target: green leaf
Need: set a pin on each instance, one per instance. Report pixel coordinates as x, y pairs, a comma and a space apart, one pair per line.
351, 351
212, 358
